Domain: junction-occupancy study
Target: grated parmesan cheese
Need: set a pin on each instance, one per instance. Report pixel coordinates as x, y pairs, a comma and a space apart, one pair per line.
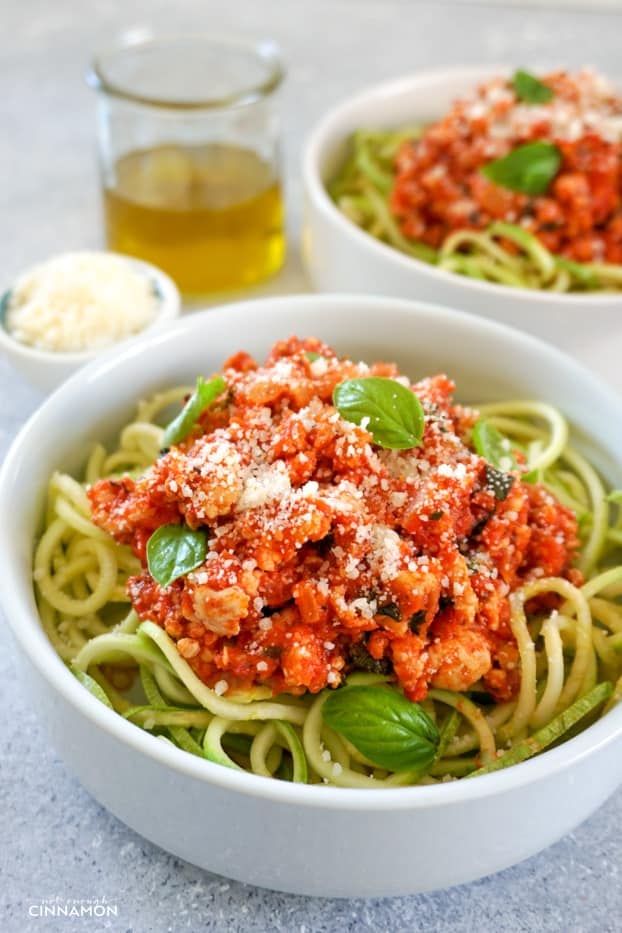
263, 485
80, 301
593, 108
386, 557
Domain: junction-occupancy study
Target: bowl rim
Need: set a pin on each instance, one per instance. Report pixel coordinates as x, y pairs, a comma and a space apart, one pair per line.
322, 136
168, 307
18, 600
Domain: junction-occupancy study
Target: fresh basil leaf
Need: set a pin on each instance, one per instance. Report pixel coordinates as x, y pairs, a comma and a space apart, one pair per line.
361, 659
490, 444
384, 726
388, 410
312, 356
498, 483
528, 88
174, 550
479, 525
529, 168
532, 477
202, 397
392, 610
417, 619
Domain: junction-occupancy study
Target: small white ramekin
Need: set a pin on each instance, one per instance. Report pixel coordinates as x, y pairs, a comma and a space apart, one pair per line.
46, 369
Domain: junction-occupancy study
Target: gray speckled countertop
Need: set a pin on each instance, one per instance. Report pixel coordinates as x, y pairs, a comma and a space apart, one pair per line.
57, 843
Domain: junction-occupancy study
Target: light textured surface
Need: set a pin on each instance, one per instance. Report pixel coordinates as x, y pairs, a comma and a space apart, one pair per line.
56, 841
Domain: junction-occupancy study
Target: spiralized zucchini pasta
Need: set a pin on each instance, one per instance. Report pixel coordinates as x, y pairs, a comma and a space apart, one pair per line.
520, 184
315, 570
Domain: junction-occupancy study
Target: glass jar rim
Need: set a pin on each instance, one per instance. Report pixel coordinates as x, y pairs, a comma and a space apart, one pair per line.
265, 50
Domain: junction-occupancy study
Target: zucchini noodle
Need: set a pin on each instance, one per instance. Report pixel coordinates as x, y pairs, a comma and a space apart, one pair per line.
567, 655
503, 253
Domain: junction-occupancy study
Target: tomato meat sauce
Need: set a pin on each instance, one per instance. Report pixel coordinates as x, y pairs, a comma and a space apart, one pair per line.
439, 186
327, 553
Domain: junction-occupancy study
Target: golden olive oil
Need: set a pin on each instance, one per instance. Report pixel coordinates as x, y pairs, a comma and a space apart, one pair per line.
211, 215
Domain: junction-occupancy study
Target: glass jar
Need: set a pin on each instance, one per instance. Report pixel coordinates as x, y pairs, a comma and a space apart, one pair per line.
188, 143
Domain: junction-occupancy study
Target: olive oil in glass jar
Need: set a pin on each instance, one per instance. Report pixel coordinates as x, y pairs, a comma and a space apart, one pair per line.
209, 215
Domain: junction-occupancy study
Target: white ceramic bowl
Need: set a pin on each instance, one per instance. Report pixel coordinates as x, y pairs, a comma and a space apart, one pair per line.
340, 256
305, 839
46, 369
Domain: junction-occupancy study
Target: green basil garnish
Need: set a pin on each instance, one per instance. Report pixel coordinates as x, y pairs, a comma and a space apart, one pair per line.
175, 550
388, 410
529, 168
528, 88
312, 356
391, 610
498, 483
384, 726
490, 444
417, 619
362, 660
202, 397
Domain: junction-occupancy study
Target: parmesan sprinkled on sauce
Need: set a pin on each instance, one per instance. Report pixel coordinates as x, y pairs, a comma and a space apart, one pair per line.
80, 301
353, 557
593, 108
263, 485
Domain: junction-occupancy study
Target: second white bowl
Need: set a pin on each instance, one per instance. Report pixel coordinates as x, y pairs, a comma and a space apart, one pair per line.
342, 257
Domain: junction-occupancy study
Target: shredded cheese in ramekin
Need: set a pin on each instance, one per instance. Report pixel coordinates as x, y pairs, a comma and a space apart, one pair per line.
80, 301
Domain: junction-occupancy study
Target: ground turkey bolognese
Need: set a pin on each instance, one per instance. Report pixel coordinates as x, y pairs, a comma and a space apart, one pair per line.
327, 553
